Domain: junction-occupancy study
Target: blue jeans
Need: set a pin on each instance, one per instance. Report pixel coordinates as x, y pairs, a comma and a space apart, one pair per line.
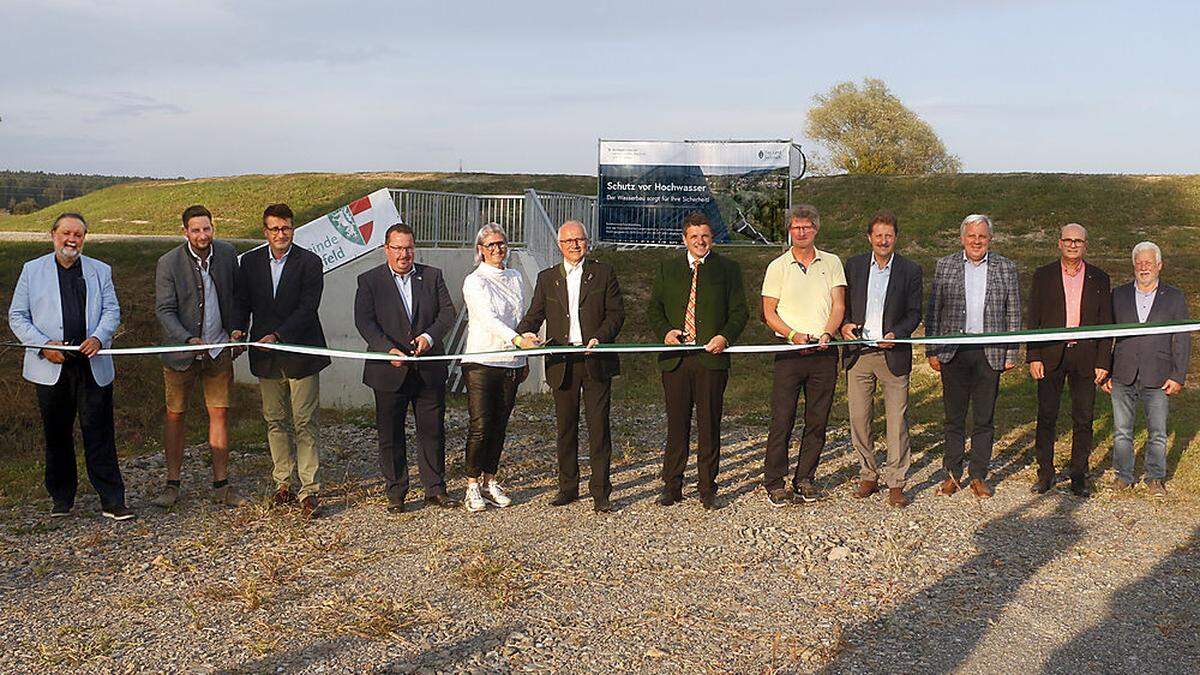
1124, 402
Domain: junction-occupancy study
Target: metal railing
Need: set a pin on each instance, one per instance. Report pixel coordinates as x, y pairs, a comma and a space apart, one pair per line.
452, 219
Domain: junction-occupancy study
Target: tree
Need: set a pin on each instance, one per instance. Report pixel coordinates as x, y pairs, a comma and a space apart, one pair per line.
869, 130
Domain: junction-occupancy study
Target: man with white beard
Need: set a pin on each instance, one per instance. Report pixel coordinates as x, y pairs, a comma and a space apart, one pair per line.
67, 298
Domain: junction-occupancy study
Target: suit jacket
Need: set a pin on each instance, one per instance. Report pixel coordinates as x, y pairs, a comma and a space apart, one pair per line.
946, 313
720, 304
1151, 359
601, 315
1048, 309
381, 320
901, 306
290, 314
179, 296
35, 315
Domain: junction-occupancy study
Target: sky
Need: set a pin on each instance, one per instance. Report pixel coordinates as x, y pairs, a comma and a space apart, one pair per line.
205, 88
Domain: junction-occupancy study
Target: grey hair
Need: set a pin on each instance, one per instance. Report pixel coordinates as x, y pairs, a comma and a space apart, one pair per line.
573, 222
490, 228
804, 212
1062, 230
971, 220
1147, 246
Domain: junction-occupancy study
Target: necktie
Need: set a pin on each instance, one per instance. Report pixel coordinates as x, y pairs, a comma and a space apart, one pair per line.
689, 314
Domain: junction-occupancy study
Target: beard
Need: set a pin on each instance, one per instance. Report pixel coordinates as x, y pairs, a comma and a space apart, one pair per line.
68, 253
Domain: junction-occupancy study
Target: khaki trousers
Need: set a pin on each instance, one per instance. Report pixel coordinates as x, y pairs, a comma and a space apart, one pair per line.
861, 379
290, 409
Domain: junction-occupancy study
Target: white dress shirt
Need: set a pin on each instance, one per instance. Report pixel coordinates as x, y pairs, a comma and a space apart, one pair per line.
877, 285
574, 283
277, 268
975, 282
212, 332
495, 300
1145, 301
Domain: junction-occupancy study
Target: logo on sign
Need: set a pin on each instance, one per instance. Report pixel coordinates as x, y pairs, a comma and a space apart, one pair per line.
345, 221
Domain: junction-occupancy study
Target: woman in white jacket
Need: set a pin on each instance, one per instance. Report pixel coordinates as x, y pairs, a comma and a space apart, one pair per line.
495, 299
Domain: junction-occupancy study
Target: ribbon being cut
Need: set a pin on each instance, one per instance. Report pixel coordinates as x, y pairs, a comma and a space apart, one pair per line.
1024, 336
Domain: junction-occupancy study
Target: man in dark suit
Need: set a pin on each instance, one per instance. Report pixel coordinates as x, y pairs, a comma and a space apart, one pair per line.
973, 291
580, 303
194, 285
883, 301
404, 308
1068, 293
280, 287
1146, 368
697, 299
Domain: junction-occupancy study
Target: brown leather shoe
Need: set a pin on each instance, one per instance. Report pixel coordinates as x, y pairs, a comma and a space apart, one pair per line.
981, 489
310, 507
866, 488
897, 499
283, 496
948, 487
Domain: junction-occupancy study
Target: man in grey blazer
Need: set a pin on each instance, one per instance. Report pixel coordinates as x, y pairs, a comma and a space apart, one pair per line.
194, 287
973, 291
67, 298
1146, 368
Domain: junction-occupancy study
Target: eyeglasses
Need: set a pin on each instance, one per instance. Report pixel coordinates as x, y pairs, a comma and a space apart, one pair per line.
573, 242
398, 249
495, 245
279, 230
1073, 242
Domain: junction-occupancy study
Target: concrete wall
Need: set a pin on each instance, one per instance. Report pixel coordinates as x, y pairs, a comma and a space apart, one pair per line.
341, 382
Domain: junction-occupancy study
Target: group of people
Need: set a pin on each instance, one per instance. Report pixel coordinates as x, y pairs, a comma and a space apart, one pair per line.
206, 295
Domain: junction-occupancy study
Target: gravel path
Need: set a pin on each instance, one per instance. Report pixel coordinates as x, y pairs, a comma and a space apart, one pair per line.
1014, 584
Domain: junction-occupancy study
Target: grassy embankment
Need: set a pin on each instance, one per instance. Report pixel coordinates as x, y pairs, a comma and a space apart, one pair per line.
1118, 210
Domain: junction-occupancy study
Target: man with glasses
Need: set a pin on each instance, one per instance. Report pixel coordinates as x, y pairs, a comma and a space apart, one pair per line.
404, 308
1068, 293
280, 291
803, 301
580, 303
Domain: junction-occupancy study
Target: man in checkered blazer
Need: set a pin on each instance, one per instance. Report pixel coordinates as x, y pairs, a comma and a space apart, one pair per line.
973, 291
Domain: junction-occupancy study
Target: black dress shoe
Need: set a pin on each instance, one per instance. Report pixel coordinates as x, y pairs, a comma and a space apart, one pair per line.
667, 498
1080, 489
708, 501
564, 498
1042, 486
395, 507
601, 505
442, 502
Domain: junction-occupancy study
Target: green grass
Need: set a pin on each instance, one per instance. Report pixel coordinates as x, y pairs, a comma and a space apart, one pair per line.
237, 202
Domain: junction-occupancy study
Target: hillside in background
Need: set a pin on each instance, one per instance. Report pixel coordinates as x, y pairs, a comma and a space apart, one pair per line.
237, 202
1118, 210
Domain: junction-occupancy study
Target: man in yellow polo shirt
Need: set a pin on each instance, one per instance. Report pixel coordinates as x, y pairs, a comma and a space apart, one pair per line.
803, 300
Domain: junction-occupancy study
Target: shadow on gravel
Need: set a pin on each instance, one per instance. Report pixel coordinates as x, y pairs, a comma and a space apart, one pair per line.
1152, 624
939, 628
300, 656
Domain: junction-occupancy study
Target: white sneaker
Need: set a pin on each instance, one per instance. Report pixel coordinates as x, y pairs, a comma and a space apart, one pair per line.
473, 500
494, 494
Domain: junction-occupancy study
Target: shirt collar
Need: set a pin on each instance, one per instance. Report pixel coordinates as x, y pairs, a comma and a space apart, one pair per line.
568, 267
1078, 270
692, 259
1139, 291
403, 277
968, 260
282, 258
876, 267
192, 252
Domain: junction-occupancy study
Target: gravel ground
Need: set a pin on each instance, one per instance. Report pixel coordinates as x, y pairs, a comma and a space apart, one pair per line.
1014, 584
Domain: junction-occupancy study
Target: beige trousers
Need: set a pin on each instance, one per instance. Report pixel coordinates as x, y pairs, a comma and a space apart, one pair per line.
290, 409
871, 368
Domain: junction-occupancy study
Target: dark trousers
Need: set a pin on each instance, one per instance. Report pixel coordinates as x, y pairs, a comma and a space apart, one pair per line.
815, 373
76, 393
693, 384
597, 397
491, 393
391, 416
1077, 367
969, 380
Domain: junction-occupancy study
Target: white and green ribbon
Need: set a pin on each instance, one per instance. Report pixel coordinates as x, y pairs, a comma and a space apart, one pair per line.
999, 338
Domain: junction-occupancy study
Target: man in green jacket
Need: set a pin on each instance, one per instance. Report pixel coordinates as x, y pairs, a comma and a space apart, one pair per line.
698, 299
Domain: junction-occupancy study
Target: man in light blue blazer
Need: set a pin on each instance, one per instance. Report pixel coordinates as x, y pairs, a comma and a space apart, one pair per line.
66, 298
